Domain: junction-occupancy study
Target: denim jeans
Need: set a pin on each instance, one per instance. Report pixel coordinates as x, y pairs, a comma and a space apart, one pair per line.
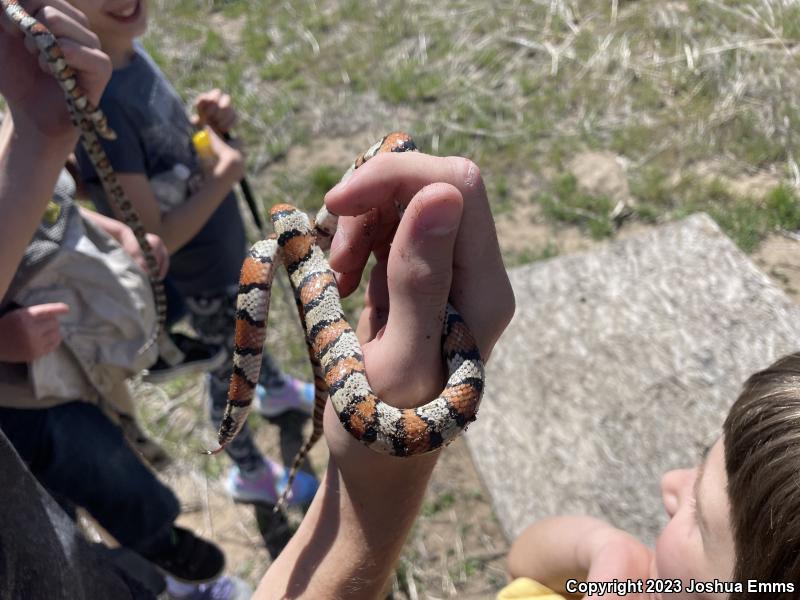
80, 456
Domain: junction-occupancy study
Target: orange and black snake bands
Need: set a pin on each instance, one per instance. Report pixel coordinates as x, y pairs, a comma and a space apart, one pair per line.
333, 349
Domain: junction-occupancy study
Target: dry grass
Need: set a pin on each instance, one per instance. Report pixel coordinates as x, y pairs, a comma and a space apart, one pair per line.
672, 87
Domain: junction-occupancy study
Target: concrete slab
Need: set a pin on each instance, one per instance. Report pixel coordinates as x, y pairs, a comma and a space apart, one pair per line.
619, 365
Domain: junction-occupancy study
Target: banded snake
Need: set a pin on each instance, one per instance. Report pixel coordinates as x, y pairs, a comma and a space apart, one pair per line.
333, 348
92, 125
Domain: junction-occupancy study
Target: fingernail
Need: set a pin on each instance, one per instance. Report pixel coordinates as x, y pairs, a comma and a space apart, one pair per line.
440, 219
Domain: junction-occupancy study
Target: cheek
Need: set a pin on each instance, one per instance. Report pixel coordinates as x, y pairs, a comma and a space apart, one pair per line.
141, 28
674, 552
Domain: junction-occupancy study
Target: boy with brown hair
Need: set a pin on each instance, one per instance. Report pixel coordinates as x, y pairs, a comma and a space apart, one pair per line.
733, 531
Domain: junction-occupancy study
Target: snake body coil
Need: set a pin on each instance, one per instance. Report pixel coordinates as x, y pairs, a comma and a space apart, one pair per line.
334, 351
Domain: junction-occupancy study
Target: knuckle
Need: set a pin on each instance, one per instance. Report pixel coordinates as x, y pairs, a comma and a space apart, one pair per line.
382, 160
94, 41
52, 17
82, 19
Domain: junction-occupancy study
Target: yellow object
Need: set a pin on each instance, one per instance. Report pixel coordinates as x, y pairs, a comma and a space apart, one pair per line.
202, 145
52, 212
527, 589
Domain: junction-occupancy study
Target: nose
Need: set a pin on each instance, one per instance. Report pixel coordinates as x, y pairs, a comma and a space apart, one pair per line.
675, 487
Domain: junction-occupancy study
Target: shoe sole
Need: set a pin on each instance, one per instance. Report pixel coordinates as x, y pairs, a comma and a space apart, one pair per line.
248, 500
200, 366
265, 503
290, 502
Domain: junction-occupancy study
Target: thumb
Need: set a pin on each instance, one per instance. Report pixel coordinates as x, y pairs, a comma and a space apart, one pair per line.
53, 309
419, 273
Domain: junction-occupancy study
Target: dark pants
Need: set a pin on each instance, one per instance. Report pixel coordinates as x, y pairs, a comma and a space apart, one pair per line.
82, 459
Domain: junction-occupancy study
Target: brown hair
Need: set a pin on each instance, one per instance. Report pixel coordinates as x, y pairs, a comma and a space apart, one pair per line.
762, 461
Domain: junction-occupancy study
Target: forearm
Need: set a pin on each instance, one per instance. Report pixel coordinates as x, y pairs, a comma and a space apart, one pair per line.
8, 347
24, 197
183, 222
352, 535
554, 550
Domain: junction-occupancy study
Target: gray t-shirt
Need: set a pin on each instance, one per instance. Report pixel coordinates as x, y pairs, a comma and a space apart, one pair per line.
154, 138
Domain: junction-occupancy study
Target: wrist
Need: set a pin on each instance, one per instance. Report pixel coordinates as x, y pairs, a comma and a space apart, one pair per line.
230, 168
10, 348
365, 471
27, 135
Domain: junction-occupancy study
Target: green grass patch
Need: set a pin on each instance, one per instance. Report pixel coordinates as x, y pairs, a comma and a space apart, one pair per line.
410, 83
567, 203
324, 178
441, 503
528, 256
783, 208
747, 220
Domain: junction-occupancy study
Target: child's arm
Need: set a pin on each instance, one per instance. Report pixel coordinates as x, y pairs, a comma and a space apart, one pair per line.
125, 237
37, 135
554, 550
445, 246
30, 332
183, 222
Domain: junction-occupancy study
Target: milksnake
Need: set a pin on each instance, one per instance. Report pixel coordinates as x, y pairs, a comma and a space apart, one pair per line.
333, 348
92, 125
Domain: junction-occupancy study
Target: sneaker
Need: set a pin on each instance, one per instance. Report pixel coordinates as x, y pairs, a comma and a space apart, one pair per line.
189, 559
292, 395
267, 486
224, 588
197, 357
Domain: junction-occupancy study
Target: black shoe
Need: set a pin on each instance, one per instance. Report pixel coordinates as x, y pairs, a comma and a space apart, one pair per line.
189, 559
197, 357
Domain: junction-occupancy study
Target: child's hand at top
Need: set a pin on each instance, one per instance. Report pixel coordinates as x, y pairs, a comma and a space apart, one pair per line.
214, 110
34, 98
30, 332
